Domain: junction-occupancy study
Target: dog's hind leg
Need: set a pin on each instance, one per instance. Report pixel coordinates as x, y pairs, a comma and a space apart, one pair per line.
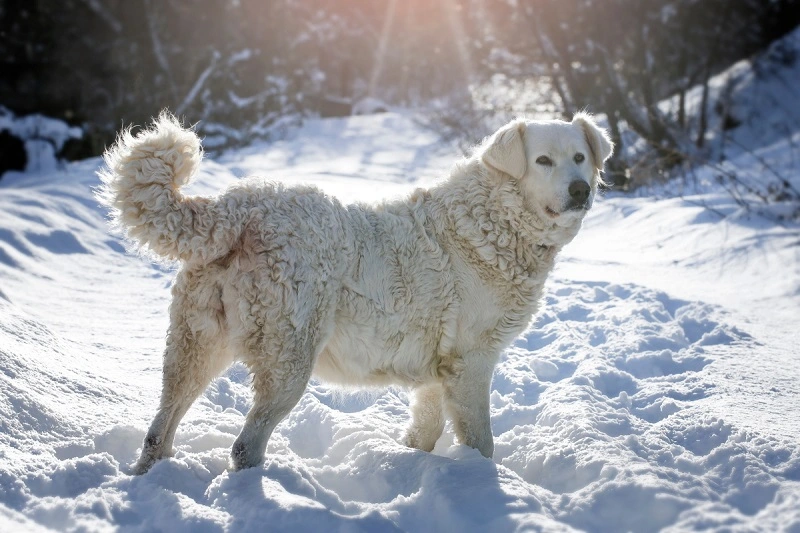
427, 418
190, 364
277, 390
299, 323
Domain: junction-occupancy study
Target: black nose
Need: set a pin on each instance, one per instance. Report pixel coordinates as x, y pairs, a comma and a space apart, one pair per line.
579, 191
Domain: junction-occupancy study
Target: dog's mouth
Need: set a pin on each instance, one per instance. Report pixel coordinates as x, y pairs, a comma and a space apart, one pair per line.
578, 206
572, 208
550, 212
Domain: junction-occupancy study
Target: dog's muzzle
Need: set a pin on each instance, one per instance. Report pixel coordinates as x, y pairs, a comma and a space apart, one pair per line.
579, 196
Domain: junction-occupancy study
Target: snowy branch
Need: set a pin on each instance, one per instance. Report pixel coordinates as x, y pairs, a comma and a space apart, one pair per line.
198, 85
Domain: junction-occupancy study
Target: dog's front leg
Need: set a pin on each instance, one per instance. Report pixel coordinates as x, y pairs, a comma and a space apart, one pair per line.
466, 394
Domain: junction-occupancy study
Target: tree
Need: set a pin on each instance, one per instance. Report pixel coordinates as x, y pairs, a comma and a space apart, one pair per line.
624, 57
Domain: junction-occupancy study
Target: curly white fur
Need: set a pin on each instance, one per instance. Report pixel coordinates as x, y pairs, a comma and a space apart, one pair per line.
424, 292
141, 186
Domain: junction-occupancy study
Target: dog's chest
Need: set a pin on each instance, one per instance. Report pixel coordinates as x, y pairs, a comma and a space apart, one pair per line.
487, 317
388, 322
370, 354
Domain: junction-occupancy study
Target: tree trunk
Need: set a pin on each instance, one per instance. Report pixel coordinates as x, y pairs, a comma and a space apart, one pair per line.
616, 166
566, 103
682, 109
702, 125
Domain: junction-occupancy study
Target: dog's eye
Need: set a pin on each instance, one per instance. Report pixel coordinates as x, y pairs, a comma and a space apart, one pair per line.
544, 160
579, 157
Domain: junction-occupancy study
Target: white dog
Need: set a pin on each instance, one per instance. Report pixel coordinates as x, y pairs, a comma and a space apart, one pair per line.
425, 292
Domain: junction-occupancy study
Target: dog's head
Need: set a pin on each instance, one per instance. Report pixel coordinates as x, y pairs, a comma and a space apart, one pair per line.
557, 164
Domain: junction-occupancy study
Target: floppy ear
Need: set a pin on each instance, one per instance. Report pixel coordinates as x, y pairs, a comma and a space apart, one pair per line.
505, 150
599, 142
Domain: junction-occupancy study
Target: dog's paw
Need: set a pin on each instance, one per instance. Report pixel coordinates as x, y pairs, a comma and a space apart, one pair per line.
415, 439
142, 466
242, 456
484, 444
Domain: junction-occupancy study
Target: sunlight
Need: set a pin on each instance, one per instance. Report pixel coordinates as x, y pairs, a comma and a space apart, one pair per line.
380, 58
460, 37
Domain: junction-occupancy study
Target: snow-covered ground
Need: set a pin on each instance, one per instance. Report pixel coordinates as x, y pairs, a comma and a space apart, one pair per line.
658, 388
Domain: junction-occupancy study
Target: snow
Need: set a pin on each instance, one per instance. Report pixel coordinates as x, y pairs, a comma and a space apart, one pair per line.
43, 137
657, 389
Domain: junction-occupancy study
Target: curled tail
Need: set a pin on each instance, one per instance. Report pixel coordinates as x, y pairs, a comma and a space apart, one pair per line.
141, 187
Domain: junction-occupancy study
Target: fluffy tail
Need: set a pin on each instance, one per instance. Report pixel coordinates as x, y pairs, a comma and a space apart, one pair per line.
141, 188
